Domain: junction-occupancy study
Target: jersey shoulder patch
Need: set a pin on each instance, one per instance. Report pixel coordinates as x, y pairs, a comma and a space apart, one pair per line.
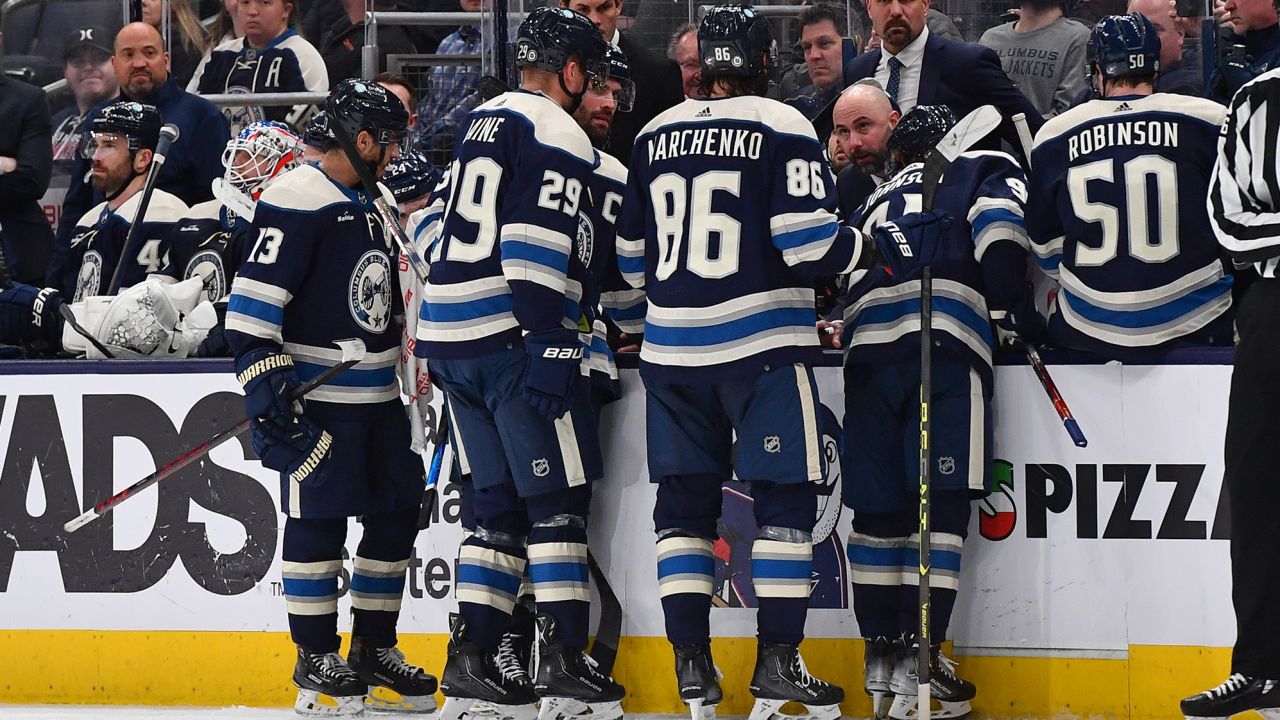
163, 207
548, 123
91, 218
207, 210
304, 189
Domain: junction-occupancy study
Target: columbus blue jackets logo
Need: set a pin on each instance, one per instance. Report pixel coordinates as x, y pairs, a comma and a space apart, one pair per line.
370, 292
241, 116
586, 239
89, 281
208, 265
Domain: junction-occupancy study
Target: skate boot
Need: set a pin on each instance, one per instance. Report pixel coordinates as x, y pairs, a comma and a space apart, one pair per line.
511, 660
781, 677
471, 675
384, 667
1239, 693
327, 675
699, 680
951, 693
878, 666
566, 673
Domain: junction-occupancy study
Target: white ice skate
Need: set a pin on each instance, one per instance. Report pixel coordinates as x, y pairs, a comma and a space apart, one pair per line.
878, 673
950, 694
781, 677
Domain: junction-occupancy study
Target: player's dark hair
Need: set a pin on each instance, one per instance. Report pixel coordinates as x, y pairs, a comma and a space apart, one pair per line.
395, 78
732, 85
1042, 5
818, 12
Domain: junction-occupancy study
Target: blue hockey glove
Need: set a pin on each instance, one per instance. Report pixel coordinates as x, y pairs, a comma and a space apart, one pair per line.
910, 242
1021, 323
283, 438
30, 315
1234, 72
554, 360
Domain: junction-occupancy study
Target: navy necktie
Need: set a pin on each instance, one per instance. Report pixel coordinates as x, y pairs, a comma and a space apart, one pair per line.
895, 77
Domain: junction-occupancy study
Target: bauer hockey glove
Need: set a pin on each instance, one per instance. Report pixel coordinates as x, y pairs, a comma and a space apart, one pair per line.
910, 242
283, 438
30, 315
555, 358
1020, 324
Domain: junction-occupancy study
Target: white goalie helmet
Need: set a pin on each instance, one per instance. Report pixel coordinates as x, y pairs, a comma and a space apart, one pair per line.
253, 160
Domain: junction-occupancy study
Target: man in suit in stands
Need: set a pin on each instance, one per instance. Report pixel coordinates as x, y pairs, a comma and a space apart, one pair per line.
657, 79
26, 162
917, 67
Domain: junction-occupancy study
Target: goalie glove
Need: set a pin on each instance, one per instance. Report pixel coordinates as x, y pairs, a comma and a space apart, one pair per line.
555, 357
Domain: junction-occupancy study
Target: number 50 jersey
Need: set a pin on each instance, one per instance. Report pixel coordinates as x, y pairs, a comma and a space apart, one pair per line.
1117, 214
728, 216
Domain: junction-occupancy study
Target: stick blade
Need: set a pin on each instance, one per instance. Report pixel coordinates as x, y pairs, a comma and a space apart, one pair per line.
972, 128
353, 349
80, 520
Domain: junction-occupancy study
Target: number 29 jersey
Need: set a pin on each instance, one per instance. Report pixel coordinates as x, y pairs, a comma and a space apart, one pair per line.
506, 259
1117, 214
728, 215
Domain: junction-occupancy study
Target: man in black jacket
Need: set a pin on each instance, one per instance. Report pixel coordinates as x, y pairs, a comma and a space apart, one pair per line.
26, 161
658, 83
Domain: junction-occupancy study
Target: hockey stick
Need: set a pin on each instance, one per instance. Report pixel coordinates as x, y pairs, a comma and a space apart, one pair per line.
384, 211
1033, 356
168, 134
975, 126
70, 318
352, 352
440, 440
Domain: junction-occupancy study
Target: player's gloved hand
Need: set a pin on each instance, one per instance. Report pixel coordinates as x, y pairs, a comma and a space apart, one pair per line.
1235, 70
284, 439
910, 242
1020, 324
554, 359
30, 315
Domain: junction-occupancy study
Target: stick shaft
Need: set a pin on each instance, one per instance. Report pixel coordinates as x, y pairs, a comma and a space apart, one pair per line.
1055, 397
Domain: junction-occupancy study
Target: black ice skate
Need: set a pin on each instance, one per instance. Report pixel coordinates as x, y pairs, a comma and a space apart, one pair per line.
699, 680
511, 659
781, 677
327, 675
951, 693
1239, 693
878, 663
384, 667
471, 675
566, 673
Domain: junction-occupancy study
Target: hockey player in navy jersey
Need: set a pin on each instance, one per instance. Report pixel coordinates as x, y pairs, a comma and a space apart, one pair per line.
727, 218
1117, 211
979, 262
320, 269
122, 140
499, 323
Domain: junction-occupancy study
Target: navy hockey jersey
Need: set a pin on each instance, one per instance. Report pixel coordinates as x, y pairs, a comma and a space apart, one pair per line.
1118, 217
728, 217
211, 242
505, 258
979, 270
288, 64
623, 304
320, 269
97, 245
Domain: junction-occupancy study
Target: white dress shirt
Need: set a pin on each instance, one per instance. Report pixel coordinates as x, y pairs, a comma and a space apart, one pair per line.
912, 59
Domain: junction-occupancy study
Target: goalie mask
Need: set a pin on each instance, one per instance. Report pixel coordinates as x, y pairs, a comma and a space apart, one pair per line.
253, 160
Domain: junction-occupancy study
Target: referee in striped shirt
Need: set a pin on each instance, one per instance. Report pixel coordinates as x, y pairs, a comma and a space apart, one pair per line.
1244, 209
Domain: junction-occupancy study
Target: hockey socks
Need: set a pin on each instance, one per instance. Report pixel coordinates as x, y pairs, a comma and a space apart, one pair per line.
559, 574
377, 581
781, 572
311, 556
686, 570
490, 567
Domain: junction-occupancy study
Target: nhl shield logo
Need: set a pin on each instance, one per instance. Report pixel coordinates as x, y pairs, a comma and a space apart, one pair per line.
946, 465
541, 468
586, 239
773, 444
208, 265
370, 292
89, 281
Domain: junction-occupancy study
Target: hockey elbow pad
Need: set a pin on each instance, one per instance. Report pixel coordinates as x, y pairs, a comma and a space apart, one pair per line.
555, 357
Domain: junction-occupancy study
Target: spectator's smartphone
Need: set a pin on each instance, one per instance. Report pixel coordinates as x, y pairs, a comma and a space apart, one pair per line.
1190, 8
1009, 16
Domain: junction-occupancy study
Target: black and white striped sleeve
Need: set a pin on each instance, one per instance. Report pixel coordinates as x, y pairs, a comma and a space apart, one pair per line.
1244, 192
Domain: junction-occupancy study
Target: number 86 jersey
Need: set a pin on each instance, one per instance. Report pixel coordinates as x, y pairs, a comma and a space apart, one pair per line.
507, 257
727, 218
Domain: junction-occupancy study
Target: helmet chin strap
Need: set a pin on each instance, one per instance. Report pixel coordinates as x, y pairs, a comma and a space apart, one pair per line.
132, 174
575, 97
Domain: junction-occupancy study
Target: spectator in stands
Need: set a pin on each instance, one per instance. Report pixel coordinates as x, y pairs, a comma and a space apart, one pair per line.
271, 58
448, 86
342, 43
1251, 46
86, 64
683, 51
822, 31
227, 26
142, 70
400, 86
1177, 75
940, 24
658, 80
1043, 53
26, 162
187, 40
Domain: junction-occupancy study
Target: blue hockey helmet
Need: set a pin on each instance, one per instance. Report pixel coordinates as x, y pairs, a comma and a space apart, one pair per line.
137, 122
550, 36
920, 131
620, 70
1123, 46
359, 105
411, 176
736, 40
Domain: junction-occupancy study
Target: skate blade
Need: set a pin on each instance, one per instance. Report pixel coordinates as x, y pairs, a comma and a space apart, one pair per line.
880, 701
906, 707
485, 710
312, 704
699, 710
553, 708
455, 708
772, 710
385, 700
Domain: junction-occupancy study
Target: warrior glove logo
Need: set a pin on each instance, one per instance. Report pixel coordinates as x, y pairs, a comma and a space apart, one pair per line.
370, 292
